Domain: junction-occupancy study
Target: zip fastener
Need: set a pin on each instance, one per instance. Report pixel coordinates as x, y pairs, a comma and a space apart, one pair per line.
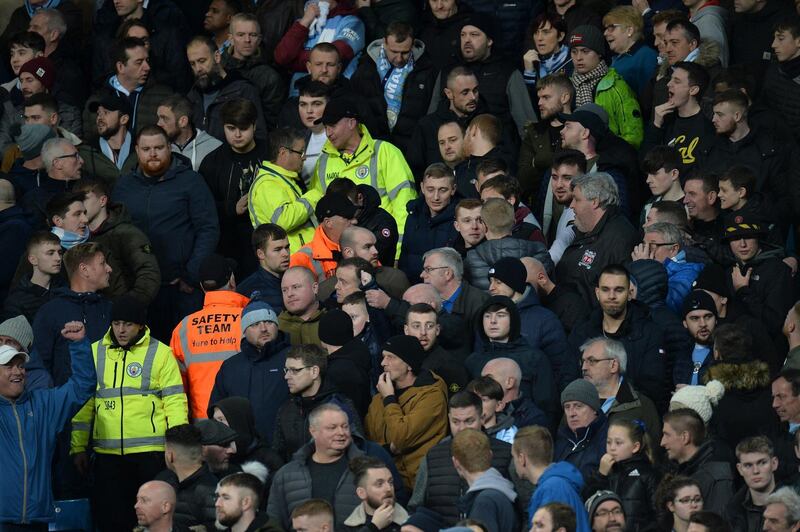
24, 464
122, 405
152, 416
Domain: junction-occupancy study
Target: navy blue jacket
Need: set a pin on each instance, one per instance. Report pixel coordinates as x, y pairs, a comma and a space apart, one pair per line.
584, 448
88, 307
543, 331
15, 230
258, 376
424, 233
178, 215
30, 425
267, 284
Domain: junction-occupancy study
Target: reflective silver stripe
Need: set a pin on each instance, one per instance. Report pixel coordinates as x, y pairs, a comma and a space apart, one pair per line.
116, 443
172, 390
305, 202
100, 365
79, 425
110, 393
373, 165
184, 340
396, 190
217, 356
320, 273
277, 214
323, 164
253, 215
147, 366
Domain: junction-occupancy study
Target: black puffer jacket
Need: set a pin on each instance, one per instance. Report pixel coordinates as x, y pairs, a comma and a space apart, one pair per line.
652, 285
746, 408
195, 497
481, 258
425, 232
266, 79
417, 92
439, 486
643, 341
635, 481
348, 370
714, 476
781, 93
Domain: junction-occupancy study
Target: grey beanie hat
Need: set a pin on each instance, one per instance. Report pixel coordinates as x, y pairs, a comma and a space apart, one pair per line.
583, 391
19, 329
31, 137
599, 498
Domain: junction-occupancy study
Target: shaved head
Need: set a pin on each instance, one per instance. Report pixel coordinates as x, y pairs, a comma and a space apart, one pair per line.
155, 504
507, 372
423, 293
534, 267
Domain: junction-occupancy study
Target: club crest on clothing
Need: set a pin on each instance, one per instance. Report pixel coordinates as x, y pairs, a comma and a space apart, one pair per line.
362, 171
587, 259
134, 369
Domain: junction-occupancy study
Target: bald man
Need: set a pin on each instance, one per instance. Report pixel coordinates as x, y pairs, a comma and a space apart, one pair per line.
155, 506
508, 374
564, 302
15, 231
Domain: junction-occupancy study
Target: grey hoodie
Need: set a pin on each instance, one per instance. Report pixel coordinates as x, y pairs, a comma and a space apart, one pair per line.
712, 22
490, 500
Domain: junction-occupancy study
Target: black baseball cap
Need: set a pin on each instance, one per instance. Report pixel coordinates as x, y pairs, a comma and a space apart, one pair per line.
335, 205
216, 268
587, 119
337, 109
113, 102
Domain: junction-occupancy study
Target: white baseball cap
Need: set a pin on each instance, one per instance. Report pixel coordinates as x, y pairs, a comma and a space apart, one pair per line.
7, 354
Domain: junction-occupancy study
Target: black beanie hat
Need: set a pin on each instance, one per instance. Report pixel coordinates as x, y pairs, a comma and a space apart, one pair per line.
699, 300
408, 349
511, 271
128, 308
712, 278
335, 327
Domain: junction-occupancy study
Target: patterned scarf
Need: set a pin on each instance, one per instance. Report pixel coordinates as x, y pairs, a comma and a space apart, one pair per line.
555, 62
586, 83
69, 239
393, 79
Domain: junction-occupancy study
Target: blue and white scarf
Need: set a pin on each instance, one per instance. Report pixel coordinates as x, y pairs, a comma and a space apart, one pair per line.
69, 239
393, 79
124, 150
48, 4
555, 62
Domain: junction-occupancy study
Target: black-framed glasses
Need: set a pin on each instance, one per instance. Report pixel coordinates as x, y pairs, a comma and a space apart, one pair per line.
294, 371
593, 361
429, 269
611, 27
690, 500
298, 152
75, 156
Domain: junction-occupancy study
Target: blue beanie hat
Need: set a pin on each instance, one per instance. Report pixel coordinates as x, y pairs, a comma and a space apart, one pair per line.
256, 311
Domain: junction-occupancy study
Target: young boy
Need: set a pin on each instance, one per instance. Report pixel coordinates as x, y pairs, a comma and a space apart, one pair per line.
43, 260
663, 167
738, 198
496, 423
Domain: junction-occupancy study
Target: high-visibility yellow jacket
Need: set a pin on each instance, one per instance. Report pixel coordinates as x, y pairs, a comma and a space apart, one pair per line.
375, 162
139, 396
276, 197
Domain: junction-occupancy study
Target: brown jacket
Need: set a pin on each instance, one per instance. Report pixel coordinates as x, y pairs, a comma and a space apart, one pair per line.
412, 422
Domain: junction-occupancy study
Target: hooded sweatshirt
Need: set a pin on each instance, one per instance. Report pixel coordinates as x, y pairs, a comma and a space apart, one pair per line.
490, 500
561, 482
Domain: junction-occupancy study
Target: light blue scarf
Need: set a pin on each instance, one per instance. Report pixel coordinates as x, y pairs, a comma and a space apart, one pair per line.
69, 239
124, 150
393, 79
48, 4
555, 62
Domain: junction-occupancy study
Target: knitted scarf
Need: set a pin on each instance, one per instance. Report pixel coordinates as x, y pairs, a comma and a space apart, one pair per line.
555, 62
393, 78
586, 83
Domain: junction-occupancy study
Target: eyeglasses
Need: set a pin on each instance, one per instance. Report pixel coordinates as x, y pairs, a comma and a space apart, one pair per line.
298, 152
691, 500
294, 371
616, 512
74, 155
610, 27
429, 269
593, 361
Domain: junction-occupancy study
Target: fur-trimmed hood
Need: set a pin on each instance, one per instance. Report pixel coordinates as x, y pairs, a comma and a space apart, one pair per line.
745, 376
707, 57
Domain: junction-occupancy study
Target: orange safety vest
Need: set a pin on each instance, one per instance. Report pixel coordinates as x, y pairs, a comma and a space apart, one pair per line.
202, 341
318, 256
